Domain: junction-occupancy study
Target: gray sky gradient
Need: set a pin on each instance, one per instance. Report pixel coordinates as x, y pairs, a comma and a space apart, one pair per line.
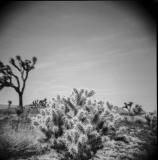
106, 46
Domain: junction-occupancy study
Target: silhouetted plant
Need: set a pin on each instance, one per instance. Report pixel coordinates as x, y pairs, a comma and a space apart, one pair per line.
128, 106
24, 68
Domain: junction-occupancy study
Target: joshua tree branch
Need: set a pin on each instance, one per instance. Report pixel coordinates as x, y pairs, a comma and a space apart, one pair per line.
22, 74
17, 79
24, 81
16, 88
16, 66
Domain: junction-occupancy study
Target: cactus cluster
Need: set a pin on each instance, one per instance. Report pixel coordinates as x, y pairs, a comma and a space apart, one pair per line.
151, 119
39, 103
76, 125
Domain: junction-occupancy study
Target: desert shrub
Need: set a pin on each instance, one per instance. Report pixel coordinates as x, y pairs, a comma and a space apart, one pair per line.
139, 121
75, 126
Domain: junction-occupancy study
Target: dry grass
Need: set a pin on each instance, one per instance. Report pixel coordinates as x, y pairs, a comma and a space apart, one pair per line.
18, 139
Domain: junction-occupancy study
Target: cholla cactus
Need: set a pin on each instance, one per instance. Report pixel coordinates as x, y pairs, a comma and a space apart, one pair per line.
39, 103
76, 124
151, 118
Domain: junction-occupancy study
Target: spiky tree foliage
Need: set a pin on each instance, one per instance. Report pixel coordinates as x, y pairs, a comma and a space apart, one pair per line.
75, 124
24, 67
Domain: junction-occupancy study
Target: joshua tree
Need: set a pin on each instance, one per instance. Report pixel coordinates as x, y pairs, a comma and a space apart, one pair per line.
24, 68
128, 106
137, 110
9, 103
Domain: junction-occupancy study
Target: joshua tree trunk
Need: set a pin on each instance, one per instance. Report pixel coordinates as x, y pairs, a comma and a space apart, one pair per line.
20, 99
8, 106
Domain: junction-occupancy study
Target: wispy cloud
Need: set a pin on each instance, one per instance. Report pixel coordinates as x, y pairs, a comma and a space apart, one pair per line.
42, 65
75, 67
50, 89
114, 92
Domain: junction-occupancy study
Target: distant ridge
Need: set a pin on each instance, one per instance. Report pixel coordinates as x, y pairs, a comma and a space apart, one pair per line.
4, 106
118, 109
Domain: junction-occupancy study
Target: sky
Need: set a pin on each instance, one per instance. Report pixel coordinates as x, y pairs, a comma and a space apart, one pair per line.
107, 46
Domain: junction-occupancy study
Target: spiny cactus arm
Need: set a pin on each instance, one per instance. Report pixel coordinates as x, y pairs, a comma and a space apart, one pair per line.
96, 119
76, 91
81, 92
109, 105
82, 101
80, 127
91, 93
72, 106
